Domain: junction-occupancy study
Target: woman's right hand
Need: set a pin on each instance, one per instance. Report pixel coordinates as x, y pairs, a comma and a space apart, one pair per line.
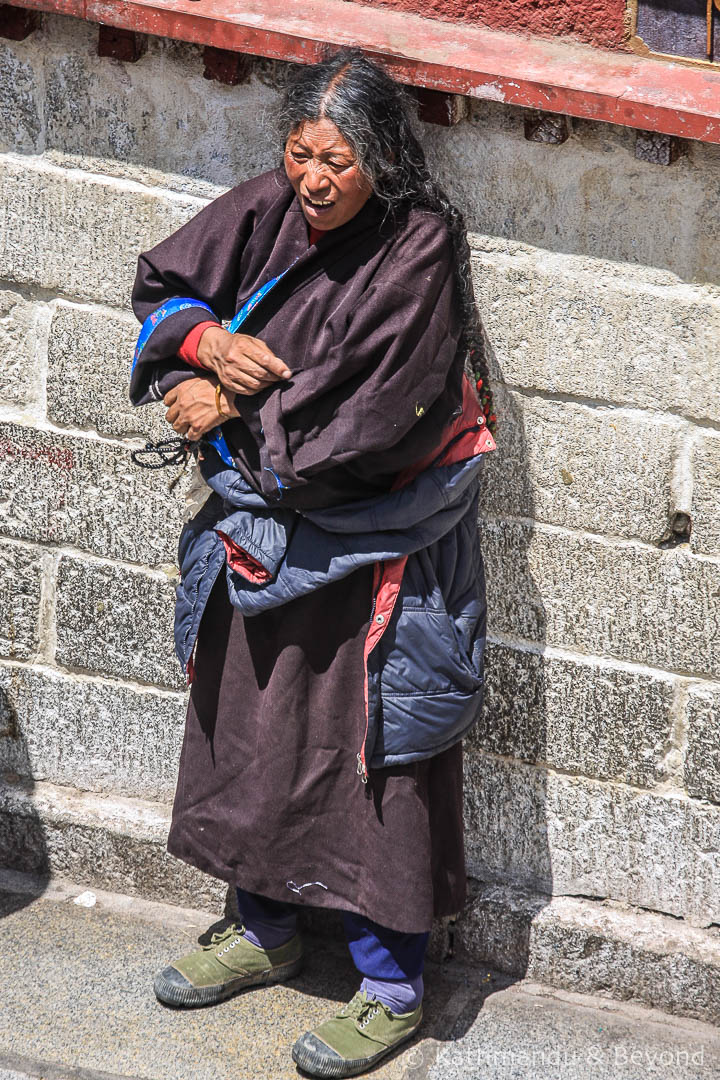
243, 364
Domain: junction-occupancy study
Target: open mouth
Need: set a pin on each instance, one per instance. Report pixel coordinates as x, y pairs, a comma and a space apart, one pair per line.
318, 206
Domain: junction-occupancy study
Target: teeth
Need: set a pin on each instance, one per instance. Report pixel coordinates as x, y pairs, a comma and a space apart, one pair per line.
325, 202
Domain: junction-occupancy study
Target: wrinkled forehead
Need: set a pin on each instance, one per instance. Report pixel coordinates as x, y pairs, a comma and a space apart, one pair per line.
320, 137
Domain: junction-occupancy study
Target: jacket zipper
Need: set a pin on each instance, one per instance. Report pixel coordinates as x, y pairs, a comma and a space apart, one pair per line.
456, 438
361, 763
362, 771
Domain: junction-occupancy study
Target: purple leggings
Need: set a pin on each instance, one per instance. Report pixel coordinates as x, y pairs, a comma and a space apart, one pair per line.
378, 953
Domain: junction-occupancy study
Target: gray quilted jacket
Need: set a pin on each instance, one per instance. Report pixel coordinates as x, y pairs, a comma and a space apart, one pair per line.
425, 644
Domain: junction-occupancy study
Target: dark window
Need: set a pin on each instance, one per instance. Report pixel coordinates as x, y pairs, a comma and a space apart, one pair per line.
686, 28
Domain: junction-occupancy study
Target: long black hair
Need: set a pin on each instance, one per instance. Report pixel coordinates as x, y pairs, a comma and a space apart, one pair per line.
371, 111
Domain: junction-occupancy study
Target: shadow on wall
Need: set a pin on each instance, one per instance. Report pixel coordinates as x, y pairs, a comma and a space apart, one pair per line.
156, 120
505, 813
161, 122
23, 848
591, 196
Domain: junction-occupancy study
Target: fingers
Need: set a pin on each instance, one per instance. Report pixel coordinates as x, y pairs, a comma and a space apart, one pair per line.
192, 409
266, 360
194, 430
239, 355
250, 358
247, 366
242, 363
247, 385
177, 418
179, 424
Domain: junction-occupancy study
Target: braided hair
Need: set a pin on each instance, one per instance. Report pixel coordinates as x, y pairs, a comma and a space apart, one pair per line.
371, 112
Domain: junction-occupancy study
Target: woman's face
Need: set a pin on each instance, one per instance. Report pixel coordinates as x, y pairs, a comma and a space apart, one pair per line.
324, 172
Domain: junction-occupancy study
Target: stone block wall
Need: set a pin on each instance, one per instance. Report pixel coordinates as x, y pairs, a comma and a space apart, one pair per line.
593, 777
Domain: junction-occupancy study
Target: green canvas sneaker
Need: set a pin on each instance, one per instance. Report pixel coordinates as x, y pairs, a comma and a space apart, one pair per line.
228, 964
357, 1037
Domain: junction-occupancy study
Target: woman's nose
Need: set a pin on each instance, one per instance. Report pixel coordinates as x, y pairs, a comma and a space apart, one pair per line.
316, 174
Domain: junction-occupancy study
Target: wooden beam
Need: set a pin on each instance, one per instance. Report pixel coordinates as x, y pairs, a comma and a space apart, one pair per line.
17, 23
224, 66
121, 44
454, 58
437, 107
546, 128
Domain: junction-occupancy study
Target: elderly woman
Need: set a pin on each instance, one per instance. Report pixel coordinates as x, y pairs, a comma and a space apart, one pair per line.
331, 613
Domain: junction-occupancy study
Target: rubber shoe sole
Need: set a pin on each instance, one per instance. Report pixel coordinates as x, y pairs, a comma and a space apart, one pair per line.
187, 996
316, 1060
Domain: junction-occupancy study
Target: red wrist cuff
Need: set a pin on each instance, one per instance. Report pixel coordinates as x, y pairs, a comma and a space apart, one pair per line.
188, 349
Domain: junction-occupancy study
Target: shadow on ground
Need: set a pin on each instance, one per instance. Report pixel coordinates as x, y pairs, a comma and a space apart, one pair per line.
23, 845
85, 976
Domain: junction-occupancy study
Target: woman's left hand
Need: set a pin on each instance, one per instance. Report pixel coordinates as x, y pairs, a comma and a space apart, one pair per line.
192, 407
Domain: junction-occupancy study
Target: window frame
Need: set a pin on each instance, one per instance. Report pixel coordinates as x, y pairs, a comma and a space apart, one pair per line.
640, 46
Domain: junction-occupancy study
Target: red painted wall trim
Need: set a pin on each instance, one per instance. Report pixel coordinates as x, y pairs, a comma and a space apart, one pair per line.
620, 88
596, 22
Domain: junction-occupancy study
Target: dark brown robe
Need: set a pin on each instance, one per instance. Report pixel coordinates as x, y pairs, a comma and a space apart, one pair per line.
366, 320
268, 795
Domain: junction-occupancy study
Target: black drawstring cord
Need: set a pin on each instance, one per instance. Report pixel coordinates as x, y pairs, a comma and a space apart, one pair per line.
169, 451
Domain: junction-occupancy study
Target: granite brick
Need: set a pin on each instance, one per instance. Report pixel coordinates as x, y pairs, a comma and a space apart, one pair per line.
114, 844
593, 947
614, 599
705, 537
581, 327
78, 234
177, 129
702, 761
604, 470
116, 621
575, 714
87, 493
89, 355
571, 835
89, 734
21, 332
20, 99
20, 591
592, 198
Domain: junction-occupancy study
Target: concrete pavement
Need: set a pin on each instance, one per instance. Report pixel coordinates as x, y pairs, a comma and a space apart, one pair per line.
77, 1004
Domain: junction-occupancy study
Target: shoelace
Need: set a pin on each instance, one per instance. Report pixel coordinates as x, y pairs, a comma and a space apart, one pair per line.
362, 1008
224, 935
